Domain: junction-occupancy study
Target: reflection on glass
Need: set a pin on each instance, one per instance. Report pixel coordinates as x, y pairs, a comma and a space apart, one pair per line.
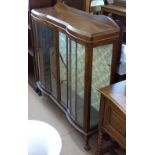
101, 70
45, 47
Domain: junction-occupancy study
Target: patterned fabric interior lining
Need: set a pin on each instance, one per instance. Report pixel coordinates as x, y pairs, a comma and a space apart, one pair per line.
101, 69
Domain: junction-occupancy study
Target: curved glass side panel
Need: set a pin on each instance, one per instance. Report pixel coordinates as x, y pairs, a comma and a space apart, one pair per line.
73, 74
76, 66
101, 71
80, 82
45, 47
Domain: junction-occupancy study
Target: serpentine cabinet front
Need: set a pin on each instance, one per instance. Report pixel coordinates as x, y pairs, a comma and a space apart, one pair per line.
71, 70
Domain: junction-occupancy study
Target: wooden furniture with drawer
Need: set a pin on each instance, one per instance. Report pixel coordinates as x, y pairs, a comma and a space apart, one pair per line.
113, 114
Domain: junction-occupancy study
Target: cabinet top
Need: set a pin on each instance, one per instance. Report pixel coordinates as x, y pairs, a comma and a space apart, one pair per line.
116, 93
77, 23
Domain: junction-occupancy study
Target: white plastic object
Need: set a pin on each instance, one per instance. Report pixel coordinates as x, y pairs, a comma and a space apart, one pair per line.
43, 139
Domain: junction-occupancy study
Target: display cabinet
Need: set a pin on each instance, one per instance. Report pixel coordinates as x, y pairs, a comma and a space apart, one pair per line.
77, 53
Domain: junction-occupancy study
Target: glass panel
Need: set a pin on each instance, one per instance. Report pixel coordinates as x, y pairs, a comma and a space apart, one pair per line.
69, 76
73, 78
63, 66
53, 71
101, 70
76, 63
45, 47
80, 82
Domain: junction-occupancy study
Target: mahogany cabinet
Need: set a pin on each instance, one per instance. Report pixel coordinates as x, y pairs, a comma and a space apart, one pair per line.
76, 54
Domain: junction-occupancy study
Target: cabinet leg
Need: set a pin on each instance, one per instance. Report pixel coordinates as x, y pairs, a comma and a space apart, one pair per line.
87, 146
100, 143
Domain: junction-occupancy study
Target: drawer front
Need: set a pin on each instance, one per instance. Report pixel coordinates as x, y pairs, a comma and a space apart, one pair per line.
115, 123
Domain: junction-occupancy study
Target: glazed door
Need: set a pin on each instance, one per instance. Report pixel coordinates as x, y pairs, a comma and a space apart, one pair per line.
72, 70
46, 57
